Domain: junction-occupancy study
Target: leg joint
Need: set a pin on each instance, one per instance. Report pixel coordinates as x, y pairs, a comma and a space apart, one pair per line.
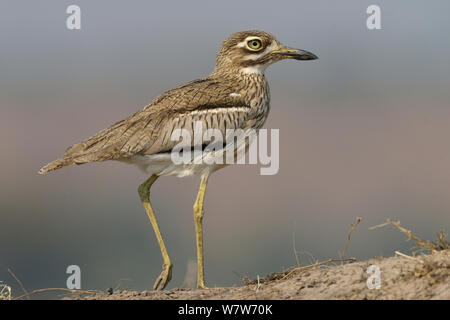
144, 191
144, 188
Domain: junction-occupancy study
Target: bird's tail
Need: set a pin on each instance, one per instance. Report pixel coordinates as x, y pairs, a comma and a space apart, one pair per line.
57, 164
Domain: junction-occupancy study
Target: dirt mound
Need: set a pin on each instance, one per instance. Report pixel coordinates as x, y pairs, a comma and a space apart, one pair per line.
401, 277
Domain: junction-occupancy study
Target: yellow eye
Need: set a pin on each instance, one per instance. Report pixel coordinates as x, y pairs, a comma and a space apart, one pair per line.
254, 44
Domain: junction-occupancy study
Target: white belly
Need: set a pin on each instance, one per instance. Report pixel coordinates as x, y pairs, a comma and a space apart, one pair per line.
161, 164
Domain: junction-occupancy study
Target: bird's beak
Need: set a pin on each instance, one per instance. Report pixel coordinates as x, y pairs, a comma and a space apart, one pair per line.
296, 54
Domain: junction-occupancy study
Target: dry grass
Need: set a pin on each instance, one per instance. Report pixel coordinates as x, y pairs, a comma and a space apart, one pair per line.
70, 291
422, 245
279, 276
353, 226
5, 291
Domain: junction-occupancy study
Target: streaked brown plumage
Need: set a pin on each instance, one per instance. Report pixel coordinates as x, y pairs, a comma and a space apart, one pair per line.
234, 96
144, 132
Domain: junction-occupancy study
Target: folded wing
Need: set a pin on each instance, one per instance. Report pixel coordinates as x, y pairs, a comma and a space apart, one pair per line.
149, 130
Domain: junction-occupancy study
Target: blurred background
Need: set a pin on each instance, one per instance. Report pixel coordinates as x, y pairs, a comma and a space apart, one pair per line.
364, 132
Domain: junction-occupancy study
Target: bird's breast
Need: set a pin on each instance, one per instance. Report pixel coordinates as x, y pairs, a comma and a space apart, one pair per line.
259, 102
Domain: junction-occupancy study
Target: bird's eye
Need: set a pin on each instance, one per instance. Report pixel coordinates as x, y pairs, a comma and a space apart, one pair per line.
254, 44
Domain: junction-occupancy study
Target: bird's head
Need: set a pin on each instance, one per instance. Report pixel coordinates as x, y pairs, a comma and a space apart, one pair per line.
253, 51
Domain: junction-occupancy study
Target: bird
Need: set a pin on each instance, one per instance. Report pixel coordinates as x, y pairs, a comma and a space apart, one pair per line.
235, 95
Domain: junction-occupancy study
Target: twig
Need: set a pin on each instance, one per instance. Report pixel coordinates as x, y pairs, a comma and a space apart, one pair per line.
54, 289
18, 281
258, 285
408, 257
5, 291
441, 238
293, 246
316, 265
426, 244
353, 225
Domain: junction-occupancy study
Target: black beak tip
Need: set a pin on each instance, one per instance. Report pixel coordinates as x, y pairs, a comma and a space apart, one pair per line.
307, 56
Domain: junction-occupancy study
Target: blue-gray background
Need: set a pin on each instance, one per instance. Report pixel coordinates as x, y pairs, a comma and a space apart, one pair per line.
364, 132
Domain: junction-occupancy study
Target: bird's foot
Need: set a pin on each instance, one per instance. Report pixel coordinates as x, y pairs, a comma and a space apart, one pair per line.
201, 286
164, 277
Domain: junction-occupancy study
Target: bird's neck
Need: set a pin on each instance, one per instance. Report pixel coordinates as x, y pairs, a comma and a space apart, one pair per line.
231, 71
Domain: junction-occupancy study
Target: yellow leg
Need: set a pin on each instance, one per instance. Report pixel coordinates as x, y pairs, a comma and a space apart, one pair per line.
166, 274
198, 217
